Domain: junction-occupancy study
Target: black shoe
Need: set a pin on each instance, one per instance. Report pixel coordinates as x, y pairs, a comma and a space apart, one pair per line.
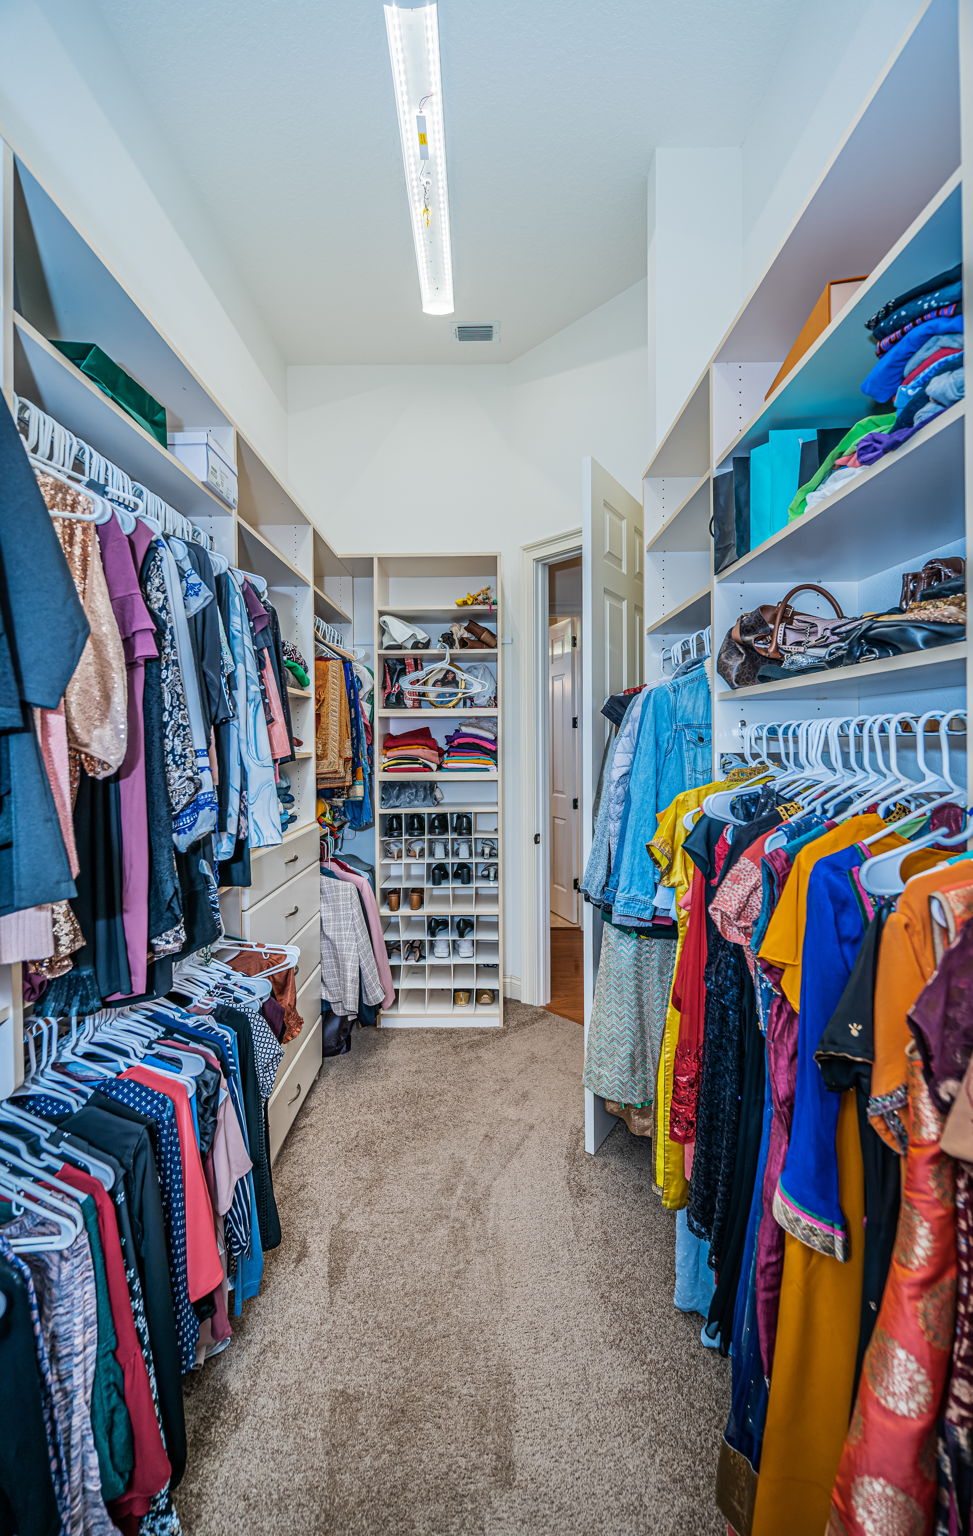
439, 825
436, 925
464, 926
415, 826
439, 875
393, 826
462, 824
463, 874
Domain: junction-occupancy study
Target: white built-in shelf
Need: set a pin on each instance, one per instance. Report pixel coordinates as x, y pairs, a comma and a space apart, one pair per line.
326, 608
42, 374
289, 836
692, 614
688, 526
447, 611
470, 713
824, 387
435, 778
685, 448
875, 521
257, 551
439, 650
942, 667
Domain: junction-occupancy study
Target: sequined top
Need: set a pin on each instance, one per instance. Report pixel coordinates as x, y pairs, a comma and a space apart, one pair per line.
96, 700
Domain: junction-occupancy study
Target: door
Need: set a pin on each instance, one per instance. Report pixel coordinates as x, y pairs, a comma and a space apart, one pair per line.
565, 771
612, 624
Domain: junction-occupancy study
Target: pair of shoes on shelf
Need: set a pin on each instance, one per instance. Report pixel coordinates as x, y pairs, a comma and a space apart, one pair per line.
393, 900
415, 952
488, 872
487, 848
462, 874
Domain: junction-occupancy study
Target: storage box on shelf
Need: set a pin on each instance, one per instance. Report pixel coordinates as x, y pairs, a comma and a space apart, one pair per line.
432, 989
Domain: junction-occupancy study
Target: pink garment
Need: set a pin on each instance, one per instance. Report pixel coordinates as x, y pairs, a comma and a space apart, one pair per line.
227, 1162
122, 559
52, 734
26, 935
204, 1268
370, 906
280, 742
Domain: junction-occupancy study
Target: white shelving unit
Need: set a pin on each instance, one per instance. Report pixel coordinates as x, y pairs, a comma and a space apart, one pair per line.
907, 507
54, 286
422, 590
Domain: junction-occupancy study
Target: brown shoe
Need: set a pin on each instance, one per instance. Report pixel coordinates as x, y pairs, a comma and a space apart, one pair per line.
416, 898
461, 997
479, 637
393, 900
485, 998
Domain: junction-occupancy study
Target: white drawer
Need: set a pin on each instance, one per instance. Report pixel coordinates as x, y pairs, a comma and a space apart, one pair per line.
292, 1088
309, 1007
281, 916
308, 942
273, 867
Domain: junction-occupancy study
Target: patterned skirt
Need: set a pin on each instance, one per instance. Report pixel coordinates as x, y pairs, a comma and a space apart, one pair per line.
628, 1016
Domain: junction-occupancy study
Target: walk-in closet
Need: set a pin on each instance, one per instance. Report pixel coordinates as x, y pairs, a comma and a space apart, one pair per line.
485, 818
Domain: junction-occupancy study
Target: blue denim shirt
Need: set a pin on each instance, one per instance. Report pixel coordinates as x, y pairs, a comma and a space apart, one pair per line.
673, 753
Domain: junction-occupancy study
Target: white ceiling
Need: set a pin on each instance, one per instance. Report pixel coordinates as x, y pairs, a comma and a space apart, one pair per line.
282, 117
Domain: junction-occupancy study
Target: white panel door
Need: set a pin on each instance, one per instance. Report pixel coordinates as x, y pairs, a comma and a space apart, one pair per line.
565, 771
611, 630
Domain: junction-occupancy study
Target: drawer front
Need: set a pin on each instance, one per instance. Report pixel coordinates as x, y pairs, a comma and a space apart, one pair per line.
309, 1007
273, 867
292, 1088
308, 942
281, 916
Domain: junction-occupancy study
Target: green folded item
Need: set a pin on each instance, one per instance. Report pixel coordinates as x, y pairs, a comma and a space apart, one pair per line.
298, 672
117, 385
860, 429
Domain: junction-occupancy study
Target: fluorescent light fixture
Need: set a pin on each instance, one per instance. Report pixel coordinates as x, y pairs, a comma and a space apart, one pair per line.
414, 49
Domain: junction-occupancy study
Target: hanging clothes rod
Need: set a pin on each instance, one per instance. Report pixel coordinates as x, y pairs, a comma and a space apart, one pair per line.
48, 441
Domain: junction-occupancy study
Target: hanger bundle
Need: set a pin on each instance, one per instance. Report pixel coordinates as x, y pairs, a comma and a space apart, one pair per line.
694, 647
55, 451
444, 684
326, 636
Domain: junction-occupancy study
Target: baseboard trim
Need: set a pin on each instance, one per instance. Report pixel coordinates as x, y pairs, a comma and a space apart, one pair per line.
512, 987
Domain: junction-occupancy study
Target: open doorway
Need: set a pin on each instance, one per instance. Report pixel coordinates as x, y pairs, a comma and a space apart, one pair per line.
564, 809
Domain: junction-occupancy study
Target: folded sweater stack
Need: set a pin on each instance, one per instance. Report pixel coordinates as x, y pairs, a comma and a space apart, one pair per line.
411, 752
472, 748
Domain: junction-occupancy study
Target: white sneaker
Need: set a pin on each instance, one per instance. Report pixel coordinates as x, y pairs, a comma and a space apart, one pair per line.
463, 948
440, 949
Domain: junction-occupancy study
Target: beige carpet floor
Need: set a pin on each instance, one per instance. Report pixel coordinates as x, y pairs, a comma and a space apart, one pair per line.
469, 1325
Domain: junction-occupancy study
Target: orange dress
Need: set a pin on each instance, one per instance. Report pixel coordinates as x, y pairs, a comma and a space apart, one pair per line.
886, 1483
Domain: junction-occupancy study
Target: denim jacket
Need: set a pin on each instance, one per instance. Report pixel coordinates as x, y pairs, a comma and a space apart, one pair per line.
608, 820
673, 752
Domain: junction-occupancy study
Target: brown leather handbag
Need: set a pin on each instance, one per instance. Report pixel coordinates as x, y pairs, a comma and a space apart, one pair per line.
771, 632
914, 583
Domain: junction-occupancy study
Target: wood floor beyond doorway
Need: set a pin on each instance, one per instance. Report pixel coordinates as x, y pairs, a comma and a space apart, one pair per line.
567, 974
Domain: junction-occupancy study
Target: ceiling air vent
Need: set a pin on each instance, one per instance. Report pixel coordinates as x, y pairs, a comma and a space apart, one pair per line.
487, 332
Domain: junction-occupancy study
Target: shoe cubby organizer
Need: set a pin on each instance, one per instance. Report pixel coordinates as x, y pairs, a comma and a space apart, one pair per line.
446, 857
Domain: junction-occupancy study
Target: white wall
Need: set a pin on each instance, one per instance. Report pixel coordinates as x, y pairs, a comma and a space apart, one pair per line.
446, 459
58, 69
